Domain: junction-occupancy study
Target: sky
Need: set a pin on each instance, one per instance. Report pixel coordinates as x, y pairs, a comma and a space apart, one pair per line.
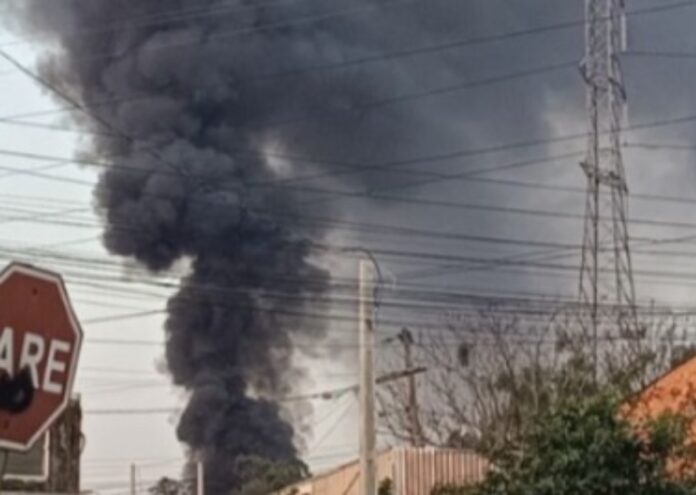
48, 207
112, 376
109, 376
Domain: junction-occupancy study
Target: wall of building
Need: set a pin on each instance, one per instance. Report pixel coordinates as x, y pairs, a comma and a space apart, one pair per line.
345, 480
63, 467
412, 471
418, 471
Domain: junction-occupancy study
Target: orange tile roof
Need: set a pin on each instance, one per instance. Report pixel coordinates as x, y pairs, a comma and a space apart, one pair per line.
673, 392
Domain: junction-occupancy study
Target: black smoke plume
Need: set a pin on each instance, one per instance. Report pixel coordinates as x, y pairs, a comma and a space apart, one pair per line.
197, 106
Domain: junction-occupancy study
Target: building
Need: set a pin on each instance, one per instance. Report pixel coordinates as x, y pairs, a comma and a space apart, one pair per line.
672, 393
52, 465
408, 470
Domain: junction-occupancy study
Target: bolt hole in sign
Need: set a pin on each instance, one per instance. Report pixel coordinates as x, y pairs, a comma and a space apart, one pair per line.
39, 346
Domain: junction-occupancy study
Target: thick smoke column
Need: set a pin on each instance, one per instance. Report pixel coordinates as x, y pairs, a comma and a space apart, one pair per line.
192, 105
208, 99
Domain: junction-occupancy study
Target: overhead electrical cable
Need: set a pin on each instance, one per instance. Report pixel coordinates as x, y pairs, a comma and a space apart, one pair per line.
450, 44
162, 18
299, 21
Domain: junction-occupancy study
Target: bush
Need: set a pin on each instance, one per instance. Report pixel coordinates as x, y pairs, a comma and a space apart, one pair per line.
587, 448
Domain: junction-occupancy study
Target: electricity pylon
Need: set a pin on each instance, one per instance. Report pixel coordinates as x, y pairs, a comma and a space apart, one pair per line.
607, 293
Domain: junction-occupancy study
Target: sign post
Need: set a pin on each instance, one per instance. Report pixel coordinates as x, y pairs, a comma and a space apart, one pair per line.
3, 467
40, 341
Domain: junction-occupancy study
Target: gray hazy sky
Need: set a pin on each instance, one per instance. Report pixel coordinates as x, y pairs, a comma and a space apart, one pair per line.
537, 107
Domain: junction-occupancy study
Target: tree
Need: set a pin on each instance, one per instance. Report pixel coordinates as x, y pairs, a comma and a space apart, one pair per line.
254, 475
168, 486
587, 448
491, 372
262, 476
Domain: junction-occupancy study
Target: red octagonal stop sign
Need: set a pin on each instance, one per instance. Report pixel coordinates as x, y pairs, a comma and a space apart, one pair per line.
39, 345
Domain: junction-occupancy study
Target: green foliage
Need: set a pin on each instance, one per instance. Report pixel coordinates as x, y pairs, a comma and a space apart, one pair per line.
454, 490
529, 392
168, 486
584, 447
263, 476
386, 487
254, 475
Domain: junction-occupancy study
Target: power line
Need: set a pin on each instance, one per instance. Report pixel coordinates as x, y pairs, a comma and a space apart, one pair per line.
361, 107
437, 177
661, 146
270, 27
329, 394
221, 8
75, 104
398, 164
661, 54
119, 371
465, 42
444, 46
287, 183
375, 104
402, 253
122, 317
152, 152
389, 229
483, 262
331, 429
83, 109
472, 206
470, 152
409, 303
651, 310
359, 227
459, 43
130, 412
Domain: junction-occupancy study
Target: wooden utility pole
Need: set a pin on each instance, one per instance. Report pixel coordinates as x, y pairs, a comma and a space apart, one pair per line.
133, 489
368, 483
414, 427
200, 486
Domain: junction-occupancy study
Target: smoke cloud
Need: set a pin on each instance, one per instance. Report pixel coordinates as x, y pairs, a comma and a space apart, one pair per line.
195, 105
216, 107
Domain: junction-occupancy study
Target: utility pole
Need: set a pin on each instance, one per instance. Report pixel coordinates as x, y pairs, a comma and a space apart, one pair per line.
368, 484
133, 485
607, 293
415, 432
200, 486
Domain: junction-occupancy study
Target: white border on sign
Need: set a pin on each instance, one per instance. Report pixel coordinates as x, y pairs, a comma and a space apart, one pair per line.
44, 468
57, 280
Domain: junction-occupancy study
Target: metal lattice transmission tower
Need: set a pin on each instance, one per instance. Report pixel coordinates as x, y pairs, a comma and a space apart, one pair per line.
607, 293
